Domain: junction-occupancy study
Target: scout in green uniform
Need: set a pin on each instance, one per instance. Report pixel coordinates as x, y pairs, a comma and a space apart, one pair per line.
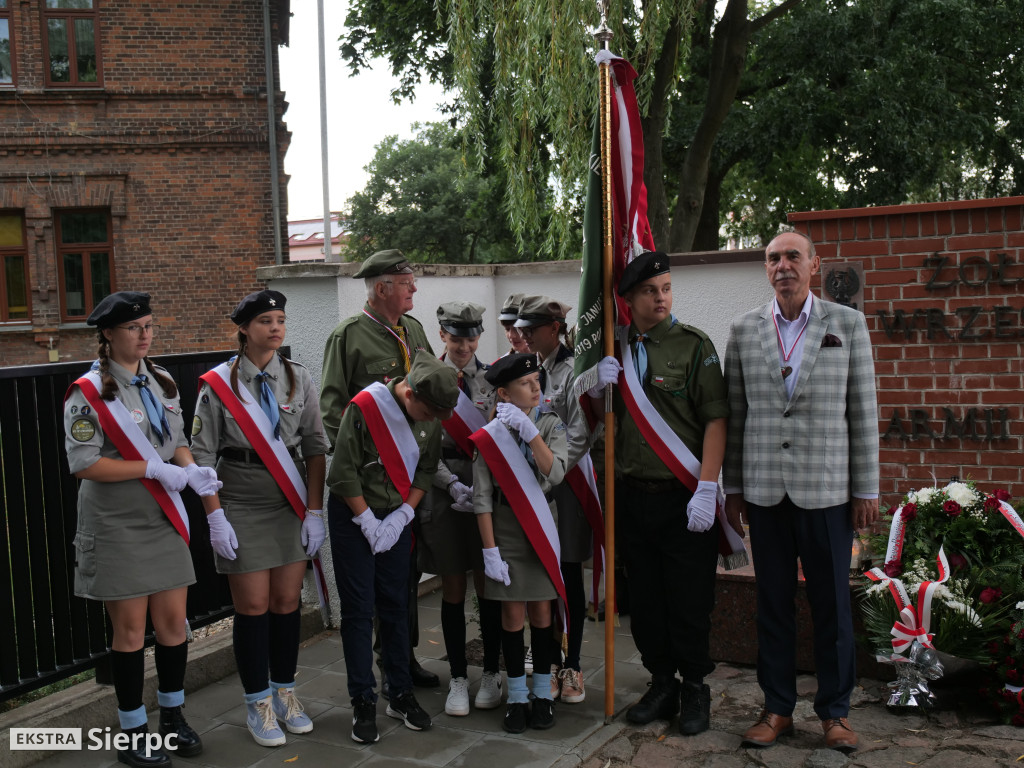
257, 537
377, 344
668, 535
542, 322
514, 571
127, 552
369, 524
448, 536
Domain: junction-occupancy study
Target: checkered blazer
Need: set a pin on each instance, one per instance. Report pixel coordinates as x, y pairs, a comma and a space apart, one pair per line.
819, 446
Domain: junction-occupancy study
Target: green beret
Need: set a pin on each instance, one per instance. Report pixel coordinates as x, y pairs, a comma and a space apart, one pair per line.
541, 310
384, 263
434, 382
461, 318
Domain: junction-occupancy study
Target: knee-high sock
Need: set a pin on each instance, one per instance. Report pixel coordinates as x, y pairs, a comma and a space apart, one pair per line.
284, 646
490, 633
170, 672
453, 627
542, 659
513, 648
128, 670
252, 648
576, 598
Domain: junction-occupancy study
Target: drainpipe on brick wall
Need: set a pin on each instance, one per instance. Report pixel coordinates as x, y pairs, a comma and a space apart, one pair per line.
275, 195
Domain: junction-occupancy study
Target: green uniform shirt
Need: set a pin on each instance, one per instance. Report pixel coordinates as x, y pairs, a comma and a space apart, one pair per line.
357, 470
358, 353
685, 385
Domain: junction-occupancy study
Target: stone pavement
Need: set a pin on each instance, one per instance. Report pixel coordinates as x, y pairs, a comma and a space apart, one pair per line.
952, 738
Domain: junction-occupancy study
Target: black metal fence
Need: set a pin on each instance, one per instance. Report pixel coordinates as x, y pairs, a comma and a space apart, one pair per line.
46, 632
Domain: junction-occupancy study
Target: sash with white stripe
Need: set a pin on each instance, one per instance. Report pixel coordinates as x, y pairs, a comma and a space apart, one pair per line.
466, 419
582, 479
673, 451
133, 445
390, 432
272, 452
518, 483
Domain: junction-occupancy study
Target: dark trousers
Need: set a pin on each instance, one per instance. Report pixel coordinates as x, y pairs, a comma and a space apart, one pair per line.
821, 539
367, 582
671, 580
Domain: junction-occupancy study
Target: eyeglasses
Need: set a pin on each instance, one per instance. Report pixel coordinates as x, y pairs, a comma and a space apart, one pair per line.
135, 330
403, 283
528, 331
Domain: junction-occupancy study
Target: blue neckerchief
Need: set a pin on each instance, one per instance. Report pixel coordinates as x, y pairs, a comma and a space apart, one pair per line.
640, 354
157, 419
269, 404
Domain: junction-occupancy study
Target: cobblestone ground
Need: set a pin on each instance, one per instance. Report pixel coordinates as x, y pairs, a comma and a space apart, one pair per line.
958, 737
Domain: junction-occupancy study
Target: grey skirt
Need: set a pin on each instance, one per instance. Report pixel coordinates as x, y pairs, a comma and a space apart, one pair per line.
125, 546
530, 582
267, 528
447, 540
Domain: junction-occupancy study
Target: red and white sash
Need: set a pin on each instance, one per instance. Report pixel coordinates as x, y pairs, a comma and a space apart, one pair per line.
392, 435
583, 480
133, 445
256, 427
272, 452
672, 450
517, 481
466, 419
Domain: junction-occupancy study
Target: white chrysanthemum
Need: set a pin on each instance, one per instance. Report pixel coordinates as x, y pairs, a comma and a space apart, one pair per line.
962, 494
966, 610
924, 495
1020, 605
876, 588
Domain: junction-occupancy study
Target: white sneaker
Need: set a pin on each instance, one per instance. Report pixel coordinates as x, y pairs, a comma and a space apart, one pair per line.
457, 703
489, 694
528, 660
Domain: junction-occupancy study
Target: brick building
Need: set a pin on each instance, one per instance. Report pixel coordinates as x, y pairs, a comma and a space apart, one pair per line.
134, 155
941, 289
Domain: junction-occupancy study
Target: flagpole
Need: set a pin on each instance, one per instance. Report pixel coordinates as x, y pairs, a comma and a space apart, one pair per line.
602, 35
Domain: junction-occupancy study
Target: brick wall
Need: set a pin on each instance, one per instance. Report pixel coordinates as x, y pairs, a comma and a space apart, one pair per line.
174, 143
944, 305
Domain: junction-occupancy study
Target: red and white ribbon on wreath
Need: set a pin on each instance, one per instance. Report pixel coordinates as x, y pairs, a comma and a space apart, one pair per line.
914, 622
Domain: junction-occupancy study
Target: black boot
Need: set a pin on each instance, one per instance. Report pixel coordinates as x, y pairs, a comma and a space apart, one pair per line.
421, 677
138, 755
694, 708
661, 702
188, 742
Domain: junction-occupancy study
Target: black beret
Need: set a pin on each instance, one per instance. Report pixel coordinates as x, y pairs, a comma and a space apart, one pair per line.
643, 267
256, 304
511, 367
120, 307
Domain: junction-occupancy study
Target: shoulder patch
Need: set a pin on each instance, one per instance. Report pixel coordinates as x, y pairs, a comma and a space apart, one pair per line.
83, 430
197, 426
711, 359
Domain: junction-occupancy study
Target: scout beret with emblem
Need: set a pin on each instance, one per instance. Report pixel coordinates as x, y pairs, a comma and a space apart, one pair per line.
461, 318
540, 310
256, 304
511, 367
645, 266
510, 309
433, 382
120, 307
390, 262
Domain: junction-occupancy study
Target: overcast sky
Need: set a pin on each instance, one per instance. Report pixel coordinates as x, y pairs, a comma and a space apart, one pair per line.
359, 112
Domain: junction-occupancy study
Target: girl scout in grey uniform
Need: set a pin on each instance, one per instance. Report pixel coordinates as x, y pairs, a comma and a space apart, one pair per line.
449, 539
541, 320
515, 575
257, 537
128, 553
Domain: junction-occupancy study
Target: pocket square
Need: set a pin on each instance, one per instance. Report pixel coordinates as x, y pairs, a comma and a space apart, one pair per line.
831, 340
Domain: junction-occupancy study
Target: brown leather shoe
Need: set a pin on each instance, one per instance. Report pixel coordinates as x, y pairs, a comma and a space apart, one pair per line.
767, 729
839, 734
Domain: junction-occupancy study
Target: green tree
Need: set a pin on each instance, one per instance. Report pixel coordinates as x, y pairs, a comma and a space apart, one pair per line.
749, 107
424, 199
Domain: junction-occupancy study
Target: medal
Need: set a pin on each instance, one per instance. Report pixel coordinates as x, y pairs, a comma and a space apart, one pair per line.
786, 370
137, 416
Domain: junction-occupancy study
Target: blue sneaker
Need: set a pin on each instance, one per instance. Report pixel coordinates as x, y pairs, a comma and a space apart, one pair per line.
262, 723
289, 711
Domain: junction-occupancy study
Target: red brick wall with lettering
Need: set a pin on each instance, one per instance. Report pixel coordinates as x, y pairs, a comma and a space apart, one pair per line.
944, 305
174, 143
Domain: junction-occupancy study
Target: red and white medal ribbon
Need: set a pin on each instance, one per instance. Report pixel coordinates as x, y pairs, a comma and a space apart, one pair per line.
133, 445
518, 483
390, 431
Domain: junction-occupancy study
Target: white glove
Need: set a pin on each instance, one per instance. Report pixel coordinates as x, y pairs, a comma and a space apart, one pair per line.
391, 528
701, 508
495, 568
465, 502
368, 524
222, 535
513, 416
607, 373
457, 490
313, 531
171, 476
203, 480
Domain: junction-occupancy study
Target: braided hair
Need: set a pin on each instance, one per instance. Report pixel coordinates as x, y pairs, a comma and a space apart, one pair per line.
243, 342
109, 391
